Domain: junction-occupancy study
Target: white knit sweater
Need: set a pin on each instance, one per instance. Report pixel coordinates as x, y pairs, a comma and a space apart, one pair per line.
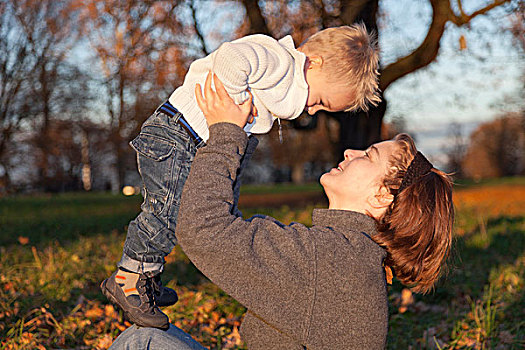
272, 70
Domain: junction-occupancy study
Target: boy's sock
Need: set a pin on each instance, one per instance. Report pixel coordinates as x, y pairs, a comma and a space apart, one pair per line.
127, 280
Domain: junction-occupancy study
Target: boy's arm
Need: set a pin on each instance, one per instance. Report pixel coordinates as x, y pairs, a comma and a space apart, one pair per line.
257, 61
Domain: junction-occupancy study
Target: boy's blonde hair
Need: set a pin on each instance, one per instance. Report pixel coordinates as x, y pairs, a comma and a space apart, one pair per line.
350, 55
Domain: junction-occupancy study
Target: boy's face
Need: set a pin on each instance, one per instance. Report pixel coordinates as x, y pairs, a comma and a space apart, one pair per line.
325, 95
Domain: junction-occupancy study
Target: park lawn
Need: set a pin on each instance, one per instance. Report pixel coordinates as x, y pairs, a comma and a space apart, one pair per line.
55, 249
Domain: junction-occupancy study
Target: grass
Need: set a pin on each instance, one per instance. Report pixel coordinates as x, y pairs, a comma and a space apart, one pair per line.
55, 249
465, 183
64, 217
281, 188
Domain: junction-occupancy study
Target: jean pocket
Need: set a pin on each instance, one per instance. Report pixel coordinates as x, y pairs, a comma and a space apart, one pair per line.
155, 158
152, 146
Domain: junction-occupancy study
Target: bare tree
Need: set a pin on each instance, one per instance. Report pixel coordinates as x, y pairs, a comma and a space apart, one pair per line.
16, 64
58, 89
143, 52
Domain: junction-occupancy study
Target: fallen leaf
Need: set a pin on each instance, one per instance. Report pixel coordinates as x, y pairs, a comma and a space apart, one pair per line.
506, 337
110, 311
94, 312
104, 342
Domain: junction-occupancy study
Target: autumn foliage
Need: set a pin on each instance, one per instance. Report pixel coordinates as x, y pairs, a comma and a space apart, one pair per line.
497, 148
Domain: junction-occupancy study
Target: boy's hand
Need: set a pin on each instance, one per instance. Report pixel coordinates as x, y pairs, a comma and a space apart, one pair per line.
217, 106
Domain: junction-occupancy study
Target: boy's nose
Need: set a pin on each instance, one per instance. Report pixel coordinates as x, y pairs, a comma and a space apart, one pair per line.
313, 109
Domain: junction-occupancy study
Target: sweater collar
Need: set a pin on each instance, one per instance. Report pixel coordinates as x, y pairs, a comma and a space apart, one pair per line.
344, 220
300, 59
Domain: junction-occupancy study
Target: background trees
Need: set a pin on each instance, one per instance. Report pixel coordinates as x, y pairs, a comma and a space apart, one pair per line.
78, 78
16, 67
140, 48
497, 148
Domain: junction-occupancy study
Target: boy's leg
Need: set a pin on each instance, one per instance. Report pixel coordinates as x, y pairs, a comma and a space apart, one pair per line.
164, 156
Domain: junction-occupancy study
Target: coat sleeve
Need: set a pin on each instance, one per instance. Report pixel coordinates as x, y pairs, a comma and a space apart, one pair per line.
261, 262
256, 61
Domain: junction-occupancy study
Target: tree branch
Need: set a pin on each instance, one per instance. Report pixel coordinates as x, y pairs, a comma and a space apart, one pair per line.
350, 9
429, 48
463, 18
257, 21
197, 30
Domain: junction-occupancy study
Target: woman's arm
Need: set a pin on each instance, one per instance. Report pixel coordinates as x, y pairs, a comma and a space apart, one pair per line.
262, 263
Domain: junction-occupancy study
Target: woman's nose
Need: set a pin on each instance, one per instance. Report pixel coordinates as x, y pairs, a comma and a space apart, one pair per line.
350, 153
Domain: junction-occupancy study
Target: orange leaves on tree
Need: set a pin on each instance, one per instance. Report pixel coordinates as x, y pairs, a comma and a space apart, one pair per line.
462, 43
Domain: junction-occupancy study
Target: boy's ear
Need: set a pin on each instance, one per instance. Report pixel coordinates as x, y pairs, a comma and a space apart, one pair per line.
382, 199
314, 61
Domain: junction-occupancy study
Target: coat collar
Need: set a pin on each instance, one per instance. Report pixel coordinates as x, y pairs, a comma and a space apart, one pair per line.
344, 220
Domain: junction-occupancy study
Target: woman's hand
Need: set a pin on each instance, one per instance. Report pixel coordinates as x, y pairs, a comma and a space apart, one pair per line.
217, 106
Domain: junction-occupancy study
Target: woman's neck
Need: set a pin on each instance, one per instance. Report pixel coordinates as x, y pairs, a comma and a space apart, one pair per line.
339, 205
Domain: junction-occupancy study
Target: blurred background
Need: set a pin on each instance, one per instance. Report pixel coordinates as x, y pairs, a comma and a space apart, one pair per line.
79, 77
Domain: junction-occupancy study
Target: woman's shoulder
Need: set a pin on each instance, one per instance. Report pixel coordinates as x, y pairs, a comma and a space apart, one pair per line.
347, 231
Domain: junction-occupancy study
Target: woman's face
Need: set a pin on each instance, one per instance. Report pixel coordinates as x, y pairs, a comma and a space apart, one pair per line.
358, 177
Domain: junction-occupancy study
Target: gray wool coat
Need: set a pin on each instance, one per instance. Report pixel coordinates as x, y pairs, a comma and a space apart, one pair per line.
319, 287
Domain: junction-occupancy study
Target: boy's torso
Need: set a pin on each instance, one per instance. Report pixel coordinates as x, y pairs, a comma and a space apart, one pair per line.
283, 97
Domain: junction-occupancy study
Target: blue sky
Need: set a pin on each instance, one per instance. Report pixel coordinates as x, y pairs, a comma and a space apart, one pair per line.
459, 85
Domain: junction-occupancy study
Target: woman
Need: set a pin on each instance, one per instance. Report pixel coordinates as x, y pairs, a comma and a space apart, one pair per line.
319, 287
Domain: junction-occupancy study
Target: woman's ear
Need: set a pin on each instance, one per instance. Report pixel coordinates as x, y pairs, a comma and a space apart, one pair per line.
382, 199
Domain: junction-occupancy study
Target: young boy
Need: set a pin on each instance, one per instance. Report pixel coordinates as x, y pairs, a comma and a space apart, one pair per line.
333, 70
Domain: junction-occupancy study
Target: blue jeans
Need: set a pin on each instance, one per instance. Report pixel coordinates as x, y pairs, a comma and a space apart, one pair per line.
164, 155
141, 338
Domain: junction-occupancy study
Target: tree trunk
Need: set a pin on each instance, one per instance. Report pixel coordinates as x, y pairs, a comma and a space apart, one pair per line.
361, 129
118, 139
43, 171
298, 173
